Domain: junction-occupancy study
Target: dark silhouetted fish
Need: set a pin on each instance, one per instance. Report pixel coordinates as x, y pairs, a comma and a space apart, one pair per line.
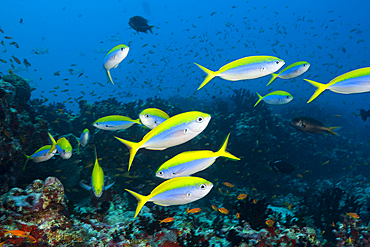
140, 24
281, 166
311, 125
364, 114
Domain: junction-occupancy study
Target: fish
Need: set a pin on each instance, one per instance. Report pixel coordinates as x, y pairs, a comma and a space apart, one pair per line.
364, 114
25, 62
281, 166
97, 180
40, 51
229, 184
242, 196
84, 139
22, 234
190, 162
223, 210
275, 98
115, 122
193, 210
167, 220
294, 70
270, 222
353, 215
76, 71
41, 155
176, 191
311, 125
114, 57
98, 51
237, 215
172, 132
140, 24
16, 59
114, 38
355, 81
63, 147
214, 207
245, 68
152, 117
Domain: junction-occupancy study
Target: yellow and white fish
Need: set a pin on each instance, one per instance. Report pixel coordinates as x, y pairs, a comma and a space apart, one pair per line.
115, 122
97, 180
84, 139
114, 57
355, 81
245, 68
41, 155
172, 132
275, 98
188, 163
176, 191
152, 117
292, 71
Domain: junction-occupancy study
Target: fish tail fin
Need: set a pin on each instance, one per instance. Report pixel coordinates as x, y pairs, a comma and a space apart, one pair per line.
259, 99
222, 151
272, 78
330, 130
109, 76
320, 88
138, 121
25, 163
151, 29
210, 75
187, 210
133, 147
141, 201
53, 143
47, 51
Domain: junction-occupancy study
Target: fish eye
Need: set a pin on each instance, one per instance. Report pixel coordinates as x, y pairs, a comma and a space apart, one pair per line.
200, 119
203, 186
174, 173
277, 62
188, 194
146, 115
287, 97
106, 125
122, 48
160, 173
97, 123
185, 131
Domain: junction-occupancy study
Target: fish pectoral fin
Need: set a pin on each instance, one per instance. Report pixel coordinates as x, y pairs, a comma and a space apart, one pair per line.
108, 186
115, 66
177, 134
85, 186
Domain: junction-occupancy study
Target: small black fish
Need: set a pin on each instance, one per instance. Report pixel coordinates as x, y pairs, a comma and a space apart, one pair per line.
281, 166
364, 114
311, 125
140, 24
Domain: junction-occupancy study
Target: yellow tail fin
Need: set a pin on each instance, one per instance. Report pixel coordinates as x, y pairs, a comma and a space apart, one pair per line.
330, 130
272, 79
25, 163
133, 147
320, 88
53, 143
109, 76
259, 99
222, 152
141, 201
210, 75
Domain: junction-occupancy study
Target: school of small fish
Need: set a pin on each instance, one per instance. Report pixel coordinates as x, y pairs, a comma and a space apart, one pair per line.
164, 131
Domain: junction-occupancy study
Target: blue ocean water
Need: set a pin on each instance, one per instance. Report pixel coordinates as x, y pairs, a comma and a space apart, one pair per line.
331, 35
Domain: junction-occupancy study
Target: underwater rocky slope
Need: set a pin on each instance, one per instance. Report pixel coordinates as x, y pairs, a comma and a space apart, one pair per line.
307, 208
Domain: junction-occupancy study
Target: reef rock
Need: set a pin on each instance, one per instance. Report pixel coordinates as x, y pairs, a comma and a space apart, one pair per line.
22, 88
38, 196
